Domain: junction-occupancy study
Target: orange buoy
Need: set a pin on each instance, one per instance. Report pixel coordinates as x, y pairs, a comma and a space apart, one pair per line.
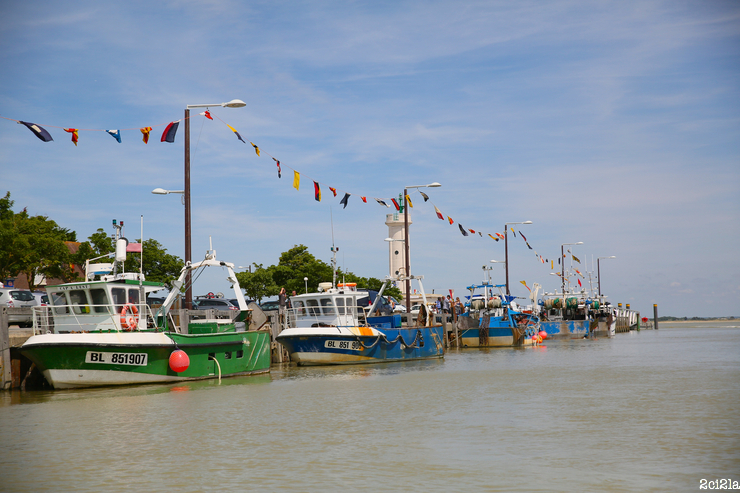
179, 361
543, 335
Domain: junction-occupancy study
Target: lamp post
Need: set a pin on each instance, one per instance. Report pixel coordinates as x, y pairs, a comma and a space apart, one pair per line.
562, 263
305, 280
234, 103
406, 237
506, 251
598, 272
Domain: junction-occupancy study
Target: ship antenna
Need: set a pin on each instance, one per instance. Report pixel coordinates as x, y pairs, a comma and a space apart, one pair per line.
333, 252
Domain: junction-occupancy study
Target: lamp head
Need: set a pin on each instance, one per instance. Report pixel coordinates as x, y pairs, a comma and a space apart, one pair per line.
160, 191
234, 103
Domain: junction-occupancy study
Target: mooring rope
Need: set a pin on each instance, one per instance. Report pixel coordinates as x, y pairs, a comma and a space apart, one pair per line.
385, 340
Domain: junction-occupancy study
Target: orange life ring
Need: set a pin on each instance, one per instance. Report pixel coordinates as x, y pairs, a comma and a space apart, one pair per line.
129, 321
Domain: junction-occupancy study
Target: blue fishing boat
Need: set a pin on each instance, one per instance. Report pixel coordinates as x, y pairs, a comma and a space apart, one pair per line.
329, 328
496, 320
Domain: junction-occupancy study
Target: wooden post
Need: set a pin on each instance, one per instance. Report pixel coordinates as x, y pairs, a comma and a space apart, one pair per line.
5, 376
655, 316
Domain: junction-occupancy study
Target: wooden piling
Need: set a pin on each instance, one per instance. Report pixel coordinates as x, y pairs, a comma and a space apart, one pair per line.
5, 365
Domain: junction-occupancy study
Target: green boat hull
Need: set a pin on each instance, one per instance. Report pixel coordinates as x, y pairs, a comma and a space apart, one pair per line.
123, 358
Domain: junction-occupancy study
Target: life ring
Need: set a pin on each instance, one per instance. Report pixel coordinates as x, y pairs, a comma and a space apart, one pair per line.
129, 321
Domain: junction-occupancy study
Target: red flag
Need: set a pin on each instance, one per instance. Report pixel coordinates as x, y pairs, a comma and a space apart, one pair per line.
364, 199
500, 235
471, 230
317, 192
133, 248
207, 114
398, 208
439, 213
73, 131
278, 165
450, 220
333, 190
579, 282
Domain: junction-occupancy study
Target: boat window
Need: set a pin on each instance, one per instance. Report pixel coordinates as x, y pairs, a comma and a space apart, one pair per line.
299, 309
340, 305
119, 297
311, 310
133, 296
78, 300
328, 306
350, 304
99, 300
59, 301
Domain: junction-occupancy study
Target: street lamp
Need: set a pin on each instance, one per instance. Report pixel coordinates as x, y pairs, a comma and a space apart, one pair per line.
406, 237
562, 262
234, 103
598, 271
506, 251
305, 280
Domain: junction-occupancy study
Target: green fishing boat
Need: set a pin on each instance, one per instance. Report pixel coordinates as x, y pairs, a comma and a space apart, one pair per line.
102, 332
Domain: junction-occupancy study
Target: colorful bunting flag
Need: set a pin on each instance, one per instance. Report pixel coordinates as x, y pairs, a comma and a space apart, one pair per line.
256, 149
278, 166
38, 131
333, 190
575, 258
520, 234
317, 192
439, 213
493, 237
207, 114
552, 265
579, 282
525, 284
462, 230
344, 200
527, 244
408, 201
398, 208
472, 231
512, 230
426, 197
237, 133
116, 134
450, 220
500, 235
170, 130
364, 199
133, 248
145, 132
296, 179
74, 133
381, 202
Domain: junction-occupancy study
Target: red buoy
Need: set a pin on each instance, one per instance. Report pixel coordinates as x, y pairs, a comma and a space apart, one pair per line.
543, 335
179, 361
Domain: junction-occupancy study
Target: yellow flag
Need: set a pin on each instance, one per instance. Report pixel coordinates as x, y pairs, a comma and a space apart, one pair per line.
408, 201
256, 149
552, 265
296, 179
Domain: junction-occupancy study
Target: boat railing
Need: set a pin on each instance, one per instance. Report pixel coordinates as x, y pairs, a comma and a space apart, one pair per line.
324, 316
83, 318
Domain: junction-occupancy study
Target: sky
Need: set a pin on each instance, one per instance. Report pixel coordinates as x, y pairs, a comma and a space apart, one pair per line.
614, 123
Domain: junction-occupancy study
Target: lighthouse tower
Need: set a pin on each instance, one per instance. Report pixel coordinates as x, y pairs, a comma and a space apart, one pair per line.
396, 246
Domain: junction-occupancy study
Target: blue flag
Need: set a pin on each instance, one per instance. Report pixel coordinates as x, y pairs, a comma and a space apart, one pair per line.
169, 132
38, 131
116, 134
344, 200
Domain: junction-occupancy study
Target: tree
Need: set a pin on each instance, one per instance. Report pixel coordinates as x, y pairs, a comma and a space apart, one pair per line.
258, 284
32, 245
159, 266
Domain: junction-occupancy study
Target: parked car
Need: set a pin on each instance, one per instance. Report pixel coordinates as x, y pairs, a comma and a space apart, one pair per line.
18, 298
42, 299
214, 304
270, 306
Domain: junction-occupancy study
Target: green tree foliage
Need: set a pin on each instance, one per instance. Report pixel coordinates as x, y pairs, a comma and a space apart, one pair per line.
159, 266
32, 245
293, 266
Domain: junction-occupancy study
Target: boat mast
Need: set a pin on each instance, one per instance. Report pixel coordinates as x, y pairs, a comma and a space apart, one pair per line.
334, 251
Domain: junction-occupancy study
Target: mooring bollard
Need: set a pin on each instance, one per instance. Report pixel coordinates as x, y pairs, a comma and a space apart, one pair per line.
655, 316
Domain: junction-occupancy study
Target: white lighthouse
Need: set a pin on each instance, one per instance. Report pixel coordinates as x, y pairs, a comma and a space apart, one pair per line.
396, 238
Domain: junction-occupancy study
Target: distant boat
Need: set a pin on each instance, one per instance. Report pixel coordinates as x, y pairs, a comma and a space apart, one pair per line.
495, 320
576, 316
329, 328
98, 333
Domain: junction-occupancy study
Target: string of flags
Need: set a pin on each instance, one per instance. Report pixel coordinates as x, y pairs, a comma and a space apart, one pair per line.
169, 134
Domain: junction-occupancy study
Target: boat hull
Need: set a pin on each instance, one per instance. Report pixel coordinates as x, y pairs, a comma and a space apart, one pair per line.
566, 329
497, 337
124, 358
387, 345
